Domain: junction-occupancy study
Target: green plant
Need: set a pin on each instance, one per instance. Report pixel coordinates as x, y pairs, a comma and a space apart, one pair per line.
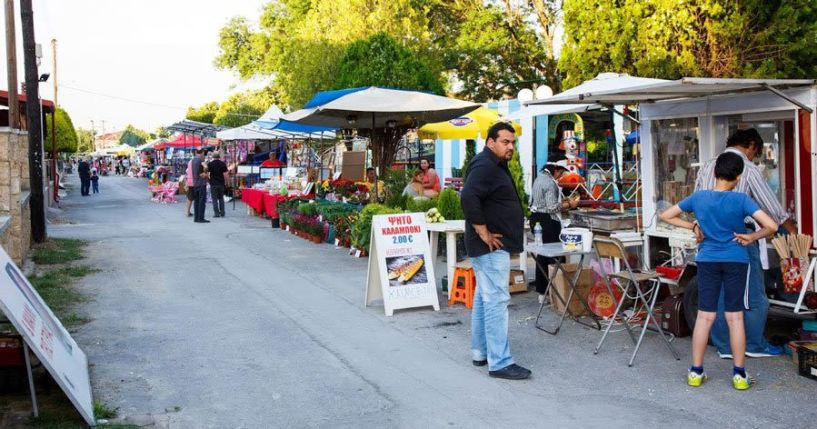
101, 411
398, 201
470, 153
362, 229
448, 204
395, 180
515, 166
421, 205
58, 251
308, 209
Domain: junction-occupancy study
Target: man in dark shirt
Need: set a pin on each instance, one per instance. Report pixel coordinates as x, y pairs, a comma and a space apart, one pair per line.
494, 224
217, 168
200, 186
84, 171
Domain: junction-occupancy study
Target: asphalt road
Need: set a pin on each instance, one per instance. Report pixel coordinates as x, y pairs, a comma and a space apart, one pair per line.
235, 325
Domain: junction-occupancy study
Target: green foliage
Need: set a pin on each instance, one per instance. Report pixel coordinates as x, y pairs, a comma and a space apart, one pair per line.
133, 136
449, 206
85, 140
515, 166
205, 113
67, 140
491, 49
244, 107
380, 61
399, 201
395, 180
669, 39
308, 209
420, 205
470, 153
362, 229
161, 133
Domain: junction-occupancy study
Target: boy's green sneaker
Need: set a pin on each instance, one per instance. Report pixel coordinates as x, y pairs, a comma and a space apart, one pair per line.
694, 379
741, 383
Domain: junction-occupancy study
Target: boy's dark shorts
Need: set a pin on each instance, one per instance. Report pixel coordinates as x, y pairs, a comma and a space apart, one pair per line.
733, 277
191, 194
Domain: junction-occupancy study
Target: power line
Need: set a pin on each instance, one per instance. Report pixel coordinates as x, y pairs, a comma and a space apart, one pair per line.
148, 103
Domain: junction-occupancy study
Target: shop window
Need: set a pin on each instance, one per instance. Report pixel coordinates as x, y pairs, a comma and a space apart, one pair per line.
676, 160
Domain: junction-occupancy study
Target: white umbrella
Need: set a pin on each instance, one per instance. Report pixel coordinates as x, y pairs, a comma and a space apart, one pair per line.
602, 83
375, 107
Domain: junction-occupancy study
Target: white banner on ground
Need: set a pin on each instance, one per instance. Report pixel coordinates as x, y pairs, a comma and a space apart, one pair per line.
46, 336
401, 270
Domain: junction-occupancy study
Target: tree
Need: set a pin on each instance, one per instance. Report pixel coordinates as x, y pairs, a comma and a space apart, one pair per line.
244, 107
66, 135
515, 167
133, 136
161, 133
669, 39
205, 113
85, 140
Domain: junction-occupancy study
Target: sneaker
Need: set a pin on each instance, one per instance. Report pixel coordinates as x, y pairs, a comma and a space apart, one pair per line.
769, 351
694, 379
725, 355
482, 362
740, 382
511, 372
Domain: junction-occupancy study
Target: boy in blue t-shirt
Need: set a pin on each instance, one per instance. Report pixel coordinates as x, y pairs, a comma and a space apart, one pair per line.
723, 262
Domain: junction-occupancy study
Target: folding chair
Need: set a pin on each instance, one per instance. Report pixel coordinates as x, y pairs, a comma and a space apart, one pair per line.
612, 248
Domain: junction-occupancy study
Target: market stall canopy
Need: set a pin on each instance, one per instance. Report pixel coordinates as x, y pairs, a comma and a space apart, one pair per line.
602, 83
688, 87
248, 132
121, 150
149, 145
373, 107
271, 120
198, 128
471, 126
181, 141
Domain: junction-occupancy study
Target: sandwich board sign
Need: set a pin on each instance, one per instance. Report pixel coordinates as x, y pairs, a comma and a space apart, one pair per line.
400, 266
44, 334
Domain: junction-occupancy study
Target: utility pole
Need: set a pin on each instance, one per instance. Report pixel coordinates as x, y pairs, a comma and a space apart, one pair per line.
11, 65
54, 123
35, 149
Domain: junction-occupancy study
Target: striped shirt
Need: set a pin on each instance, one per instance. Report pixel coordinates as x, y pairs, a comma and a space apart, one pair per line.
751, 183
546, 197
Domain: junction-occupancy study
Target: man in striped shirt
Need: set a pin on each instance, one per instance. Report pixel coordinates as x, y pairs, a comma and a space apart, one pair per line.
747, 144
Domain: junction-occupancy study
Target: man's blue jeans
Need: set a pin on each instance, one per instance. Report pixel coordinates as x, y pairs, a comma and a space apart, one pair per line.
489, 317
754, 319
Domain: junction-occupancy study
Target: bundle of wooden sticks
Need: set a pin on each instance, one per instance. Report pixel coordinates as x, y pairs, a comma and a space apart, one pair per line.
792, 245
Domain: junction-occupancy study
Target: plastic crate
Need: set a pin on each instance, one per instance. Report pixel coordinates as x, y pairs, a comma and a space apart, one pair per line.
807, 362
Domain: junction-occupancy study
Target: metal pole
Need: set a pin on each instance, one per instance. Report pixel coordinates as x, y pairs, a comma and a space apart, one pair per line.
11, 66
30, 379
54, 121
35, 151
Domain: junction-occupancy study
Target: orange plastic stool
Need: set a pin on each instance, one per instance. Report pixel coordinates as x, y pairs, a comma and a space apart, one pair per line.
463, 292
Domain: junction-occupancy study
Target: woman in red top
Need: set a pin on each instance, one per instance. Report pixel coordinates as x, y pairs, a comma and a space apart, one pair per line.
431, 182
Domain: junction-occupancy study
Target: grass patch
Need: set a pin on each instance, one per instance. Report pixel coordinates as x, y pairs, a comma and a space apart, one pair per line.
55, 420
56, 286
101, 411
58, 251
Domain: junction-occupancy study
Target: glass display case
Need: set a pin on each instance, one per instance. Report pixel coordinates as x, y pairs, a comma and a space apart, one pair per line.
770, 157
676, 160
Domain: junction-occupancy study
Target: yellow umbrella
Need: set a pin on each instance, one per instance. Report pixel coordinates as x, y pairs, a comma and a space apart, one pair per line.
470, 126
124, 150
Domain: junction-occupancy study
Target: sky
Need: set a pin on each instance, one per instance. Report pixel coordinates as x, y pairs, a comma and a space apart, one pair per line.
132, 62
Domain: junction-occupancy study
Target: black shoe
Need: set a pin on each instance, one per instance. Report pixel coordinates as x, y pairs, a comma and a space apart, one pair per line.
479, 362
190, 215
202, 221
511, 372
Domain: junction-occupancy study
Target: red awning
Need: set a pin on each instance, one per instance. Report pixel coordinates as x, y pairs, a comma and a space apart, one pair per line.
48, 105
182, 141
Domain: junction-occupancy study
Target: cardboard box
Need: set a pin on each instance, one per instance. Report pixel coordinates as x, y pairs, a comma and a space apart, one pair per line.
560, 283
518, 282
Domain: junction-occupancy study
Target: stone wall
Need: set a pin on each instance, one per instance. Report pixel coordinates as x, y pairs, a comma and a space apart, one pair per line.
15, 219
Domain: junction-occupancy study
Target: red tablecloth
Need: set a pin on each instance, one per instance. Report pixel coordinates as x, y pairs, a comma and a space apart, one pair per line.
271, 205
253, 198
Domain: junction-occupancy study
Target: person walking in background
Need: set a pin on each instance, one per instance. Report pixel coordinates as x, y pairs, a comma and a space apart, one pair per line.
494, 227
95, 181
723, 261
546, 204
200, 185
191, 192
747, 144
84, 170
218, 184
